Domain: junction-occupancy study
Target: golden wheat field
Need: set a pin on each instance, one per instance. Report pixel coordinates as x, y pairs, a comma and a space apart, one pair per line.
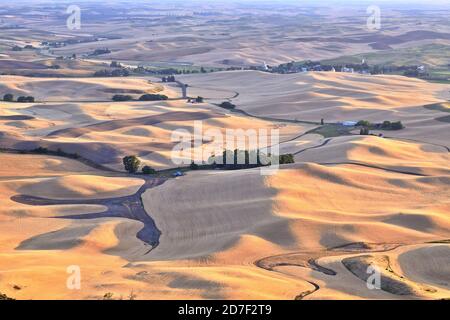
90, 180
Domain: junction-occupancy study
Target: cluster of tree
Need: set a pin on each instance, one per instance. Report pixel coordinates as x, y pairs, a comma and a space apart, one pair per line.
132, 165
59, 152
115, 64
385, 125
227, 105
57, 44
415, 73
98, 52
26, 47
397, 125
172, 71
10, 98
144, 97
153, 97
244, 159
239, 159
294, 67
168, 79
112, 73
25, 99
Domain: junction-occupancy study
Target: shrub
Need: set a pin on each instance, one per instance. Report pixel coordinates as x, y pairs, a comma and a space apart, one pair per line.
131, 164
227, 105
287, 158
199, 99
5, 297
153, 97
8, 97
121, 97
108, 296
148, 170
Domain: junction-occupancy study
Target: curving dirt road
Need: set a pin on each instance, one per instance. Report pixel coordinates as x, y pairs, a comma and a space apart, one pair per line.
129, 207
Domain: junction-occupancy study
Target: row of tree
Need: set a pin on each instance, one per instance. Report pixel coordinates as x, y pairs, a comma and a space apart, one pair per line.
145, 97
10, 98
229, 160
244, 159
168, 79
385, 125
122, 72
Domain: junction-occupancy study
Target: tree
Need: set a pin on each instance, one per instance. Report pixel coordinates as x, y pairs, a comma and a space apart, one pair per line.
8, 97
227, 105
199, 99
364, 123
153, 97
131, 164
148, 170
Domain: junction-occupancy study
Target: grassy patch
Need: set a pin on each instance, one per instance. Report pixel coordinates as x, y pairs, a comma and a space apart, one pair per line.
332, 130
434, 55
444, 81
444, 119
443, 107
